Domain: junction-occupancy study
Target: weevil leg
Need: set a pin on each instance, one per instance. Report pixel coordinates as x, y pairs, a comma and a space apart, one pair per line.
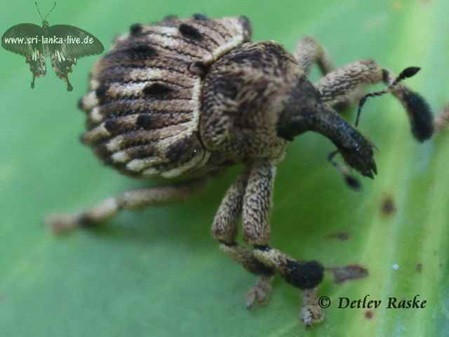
260, 293
134, 199
309, 52
340, 85
225, 228
256, 231
441, 122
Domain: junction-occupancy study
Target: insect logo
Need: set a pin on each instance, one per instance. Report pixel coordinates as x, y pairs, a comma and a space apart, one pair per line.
64, 45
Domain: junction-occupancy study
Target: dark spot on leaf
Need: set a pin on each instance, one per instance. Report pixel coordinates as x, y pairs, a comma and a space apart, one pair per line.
156, 89
342, 236
144, 121
190, 32
369, 314
350, 272
388, 206
418, 267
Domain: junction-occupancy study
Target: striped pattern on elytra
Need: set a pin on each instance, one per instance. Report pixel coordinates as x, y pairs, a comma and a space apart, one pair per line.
143, 106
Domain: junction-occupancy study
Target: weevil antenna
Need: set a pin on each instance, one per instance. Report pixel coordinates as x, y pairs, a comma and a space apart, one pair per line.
350, 180
406, 73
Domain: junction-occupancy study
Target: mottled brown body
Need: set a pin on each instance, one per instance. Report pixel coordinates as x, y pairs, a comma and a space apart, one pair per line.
243, 95
184, 98
144, 106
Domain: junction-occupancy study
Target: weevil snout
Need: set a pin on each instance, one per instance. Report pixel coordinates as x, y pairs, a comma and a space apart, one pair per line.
305, 111
357, 151
301, 110
359, 154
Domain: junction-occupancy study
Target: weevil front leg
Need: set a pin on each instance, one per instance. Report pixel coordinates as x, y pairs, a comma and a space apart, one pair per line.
134, 199
225, 228
341, 84
256, 231
342, 87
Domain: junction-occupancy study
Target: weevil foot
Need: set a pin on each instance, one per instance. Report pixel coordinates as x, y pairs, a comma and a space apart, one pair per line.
260, 292
311, 312
61, 223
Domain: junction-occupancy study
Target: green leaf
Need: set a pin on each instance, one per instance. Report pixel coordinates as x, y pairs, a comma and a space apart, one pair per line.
158, 272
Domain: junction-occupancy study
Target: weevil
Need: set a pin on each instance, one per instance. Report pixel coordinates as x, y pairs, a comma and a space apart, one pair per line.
187, 98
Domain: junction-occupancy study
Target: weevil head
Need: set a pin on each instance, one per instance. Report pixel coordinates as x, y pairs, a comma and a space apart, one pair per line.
302, 106
304, 111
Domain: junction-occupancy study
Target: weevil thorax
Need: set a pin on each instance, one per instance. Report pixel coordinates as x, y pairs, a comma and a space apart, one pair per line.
243, 97
144, 103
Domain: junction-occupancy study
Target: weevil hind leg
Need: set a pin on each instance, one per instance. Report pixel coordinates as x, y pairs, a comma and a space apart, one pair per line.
225, 228
134, 199
305, 276
260, 292
250, 197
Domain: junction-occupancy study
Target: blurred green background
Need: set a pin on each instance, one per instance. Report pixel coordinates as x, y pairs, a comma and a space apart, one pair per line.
158, 272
